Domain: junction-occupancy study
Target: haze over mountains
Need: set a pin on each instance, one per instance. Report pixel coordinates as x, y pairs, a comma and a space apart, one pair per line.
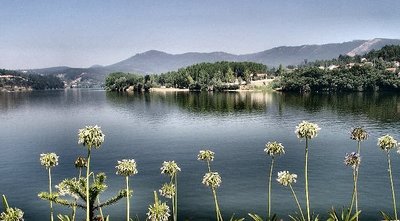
159, 62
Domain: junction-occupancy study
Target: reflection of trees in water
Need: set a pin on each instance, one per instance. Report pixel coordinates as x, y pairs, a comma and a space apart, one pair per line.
378, 106
204, 102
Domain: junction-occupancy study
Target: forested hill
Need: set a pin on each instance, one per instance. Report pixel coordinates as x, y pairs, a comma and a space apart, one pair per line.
377, 70
19, 81
204, 76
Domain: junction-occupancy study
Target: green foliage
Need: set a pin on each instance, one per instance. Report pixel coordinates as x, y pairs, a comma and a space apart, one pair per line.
386, 217
256, 217
345, 215
34, 81
204, 76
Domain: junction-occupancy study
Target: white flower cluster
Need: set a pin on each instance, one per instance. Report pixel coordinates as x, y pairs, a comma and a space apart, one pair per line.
285, 178
352, 159
170, 168
387, 142
359, 134
65, 188
158, 211
49, 160
126, 167
274, 148
12, 214
206, 155
168, 190
307, 130
212, 179
91, 136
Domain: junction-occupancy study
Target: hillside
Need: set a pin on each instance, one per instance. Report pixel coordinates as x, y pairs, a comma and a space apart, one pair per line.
160, 62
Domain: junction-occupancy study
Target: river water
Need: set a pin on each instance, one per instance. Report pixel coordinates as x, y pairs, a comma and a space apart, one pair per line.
155, 127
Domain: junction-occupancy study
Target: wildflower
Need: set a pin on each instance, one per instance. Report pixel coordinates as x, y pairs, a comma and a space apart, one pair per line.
352, 159
91, 136
64, 188
48, 160
206, 155
212, 179
80, 162
307, 130
387, 142
126, 167
12, 214
170, 168
158, 211
285, 178
359, 134
274, 148
167, 190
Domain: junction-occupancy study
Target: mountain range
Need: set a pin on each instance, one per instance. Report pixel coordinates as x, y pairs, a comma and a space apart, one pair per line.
154, 61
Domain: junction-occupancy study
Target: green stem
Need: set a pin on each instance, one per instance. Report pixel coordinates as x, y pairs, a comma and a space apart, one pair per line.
356, 179
391, 184
5, 203
87, 186
353, 196
297, 201
217, 210
269, 187
175, 206
208, 165
306, 181
51, 203
127, 198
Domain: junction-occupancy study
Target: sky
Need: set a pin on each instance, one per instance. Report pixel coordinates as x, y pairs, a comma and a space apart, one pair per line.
82, 33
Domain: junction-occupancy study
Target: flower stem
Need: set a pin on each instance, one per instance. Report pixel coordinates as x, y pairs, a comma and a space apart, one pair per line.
353, 196
87, 186
217, 210
356, 180
391, 184
175, 206
269, 187
306, 181
51, 203
127, 198
297, 201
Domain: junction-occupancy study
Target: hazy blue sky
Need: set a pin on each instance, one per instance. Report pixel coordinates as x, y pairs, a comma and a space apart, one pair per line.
80, 33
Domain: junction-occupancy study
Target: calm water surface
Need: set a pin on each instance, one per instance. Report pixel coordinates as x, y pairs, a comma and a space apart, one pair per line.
152, 128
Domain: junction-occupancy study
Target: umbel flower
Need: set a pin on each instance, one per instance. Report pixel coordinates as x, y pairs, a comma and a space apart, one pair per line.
206, 155
285, 178
158, 211
307, 130
12, 214
359, 134
126, 167
387, 142
274, 148
212, 179
352, 159
48, 160
80, 162
64, 188
167, 190
91, 136
170, 168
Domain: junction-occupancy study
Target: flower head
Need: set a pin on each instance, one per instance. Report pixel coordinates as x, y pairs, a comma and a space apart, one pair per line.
80, 162
307, 130
167, 190
48, 160
170, 168
387, 142
206, 155
274, 148
126, 167
352, 159
285, 178
158, 211
91, 136
12, 214
212, 179
65, 188
359, 134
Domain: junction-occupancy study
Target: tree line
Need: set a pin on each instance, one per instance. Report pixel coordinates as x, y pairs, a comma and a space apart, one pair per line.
375, 71
203, 76
34, 81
